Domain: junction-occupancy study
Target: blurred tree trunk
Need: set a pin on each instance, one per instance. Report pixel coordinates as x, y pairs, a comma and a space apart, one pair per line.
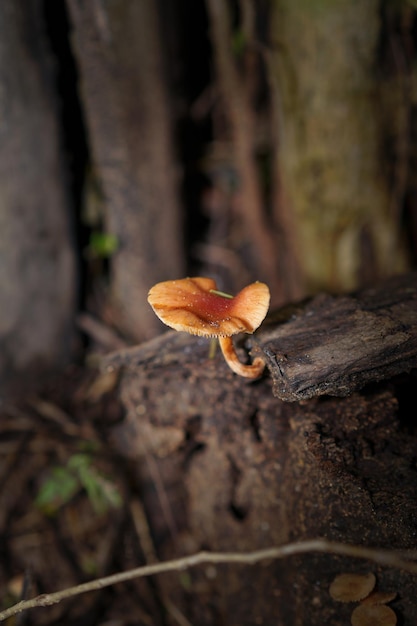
37, 270
344, 136
125, 95
325, 97
309, 158
236, 89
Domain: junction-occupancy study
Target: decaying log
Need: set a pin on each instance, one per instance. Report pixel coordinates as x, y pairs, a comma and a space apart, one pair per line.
224, 464
328, 346
337, 344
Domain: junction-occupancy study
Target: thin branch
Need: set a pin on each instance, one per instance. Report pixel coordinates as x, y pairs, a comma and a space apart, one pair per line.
387, 558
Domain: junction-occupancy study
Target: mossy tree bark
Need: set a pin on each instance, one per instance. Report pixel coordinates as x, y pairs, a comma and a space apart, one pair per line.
344, 135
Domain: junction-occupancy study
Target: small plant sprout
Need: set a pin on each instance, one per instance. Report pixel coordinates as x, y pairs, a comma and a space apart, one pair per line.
64, 482
194, 305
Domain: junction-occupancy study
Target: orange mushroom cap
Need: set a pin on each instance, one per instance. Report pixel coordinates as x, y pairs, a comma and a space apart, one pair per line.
190, 305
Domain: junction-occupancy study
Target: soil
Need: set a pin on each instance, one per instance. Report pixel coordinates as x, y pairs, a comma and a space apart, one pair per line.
45, 548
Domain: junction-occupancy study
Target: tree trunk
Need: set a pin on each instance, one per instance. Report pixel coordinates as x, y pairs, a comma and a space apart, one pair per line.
343, 140
223, 464
126, 101
37, 265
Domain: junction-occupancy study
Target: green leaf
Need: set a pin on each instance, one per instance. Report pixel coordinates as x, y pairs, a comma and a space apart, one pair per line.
58, 489
102, 245
79, 473
102, 493
238, 42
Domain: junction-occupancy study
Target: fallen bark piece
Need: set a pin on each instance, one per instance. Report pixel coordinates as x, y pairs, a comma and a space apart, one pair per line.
335, 345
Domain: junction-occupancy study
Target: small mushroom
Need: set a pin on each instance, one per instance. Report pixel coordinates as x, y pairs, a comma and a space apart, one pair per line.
380, 597
194, 305
352, 587
373, 615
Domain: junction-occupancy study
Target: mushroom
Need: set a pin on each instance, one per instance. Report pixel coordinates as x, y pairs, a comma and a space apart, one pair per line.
380, 597
194, 305
352, 587
373, 615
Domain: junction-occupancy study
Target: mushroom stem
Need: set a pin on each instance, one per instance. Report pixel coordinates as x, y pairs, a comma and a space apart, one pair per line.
249, 371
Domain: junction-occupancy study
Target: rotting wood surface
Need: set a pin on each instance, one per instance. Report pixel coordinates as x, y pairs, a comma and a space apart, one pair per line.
334, 345
331, 345
224, 464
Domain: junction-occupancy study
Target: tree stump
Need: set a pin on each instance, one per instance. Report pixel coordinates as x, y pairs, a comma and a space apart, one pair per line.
227, 464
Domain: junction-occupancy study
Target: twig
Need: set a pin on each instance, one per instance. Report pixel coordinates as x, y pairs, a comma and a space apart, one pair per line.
100, 332
157, 480
387, 558
145, 539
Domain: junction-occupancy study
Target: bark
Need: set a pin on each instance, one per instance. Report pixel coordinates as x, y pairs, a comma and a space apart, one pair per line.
37, 265
125, 95
223, 464
335, 345
258, 219
343, 138
241, 117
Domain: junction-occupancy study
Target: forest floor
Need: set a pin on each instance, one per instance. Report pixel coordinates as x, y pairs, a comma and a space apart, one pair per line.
72, 491
69, 508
